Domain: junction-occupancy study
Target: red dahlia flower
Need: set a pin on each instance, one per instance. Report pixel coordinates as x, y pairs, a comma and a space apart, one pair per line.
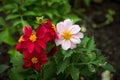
34, 60
51, 30
34, 40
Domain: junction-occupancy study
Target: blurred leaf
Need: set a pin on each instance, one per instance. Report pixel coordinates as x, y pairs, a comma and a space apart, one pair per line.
74, 72
2, 22
12, 16
62, 66
109, 67
73, 17
16, 22
29, 13
91, 68
3, 67
87, 2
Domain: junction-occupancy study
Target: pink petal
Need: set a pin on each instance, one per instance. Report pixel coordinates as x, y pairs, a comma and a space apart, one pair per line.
60, 27
73, 46
75, 29
27, 30
79, 35
67, 23
66, 44
75, 40
58, 42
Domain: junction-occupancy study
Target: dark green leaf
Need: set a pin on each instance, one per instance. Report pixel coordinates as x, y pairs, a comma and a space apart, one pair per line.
109, 67
3, 67
91, 68
62, 66
29, 13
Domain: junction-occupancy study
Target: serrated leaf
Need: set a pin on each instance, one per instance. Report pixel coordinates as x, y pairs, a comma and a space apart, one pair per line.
67, 53
3, 67
74, 72
62, 66
12, 16
90, 45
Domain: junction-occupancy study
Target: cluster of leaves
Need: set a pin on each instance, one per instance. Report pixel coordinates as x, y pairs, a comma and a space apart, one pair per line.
85, 61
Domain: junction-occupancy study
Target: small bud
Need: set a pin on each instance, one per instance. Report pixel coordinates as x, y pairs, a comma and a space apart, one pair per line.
39, 20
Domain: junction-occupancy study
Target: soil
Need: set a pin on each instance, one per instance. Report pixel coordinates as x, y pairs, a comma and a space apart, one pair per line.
106, 37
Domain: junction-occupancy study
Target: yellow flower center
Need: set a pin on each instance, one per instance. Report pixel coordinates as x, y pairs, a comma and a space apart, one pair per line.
34, 60
33, 37
67, 35
53, 26
20, 39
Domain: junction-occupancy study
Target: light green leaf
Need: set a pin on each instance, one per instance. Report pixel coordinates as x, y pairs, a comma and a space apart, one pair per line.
74, 72
12, 16
3, 67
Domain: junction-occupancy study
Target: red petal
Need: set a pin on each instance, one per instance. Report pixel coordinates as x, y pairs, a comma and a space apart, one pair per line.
41, 32
31, 47
42, 44
27, 30
37, 66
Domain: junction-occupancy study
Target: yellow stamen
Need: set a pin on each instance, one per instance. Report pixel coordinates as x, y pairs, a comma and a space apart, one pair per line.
20, 39
67, 35
34, 60
53, 26
33, 37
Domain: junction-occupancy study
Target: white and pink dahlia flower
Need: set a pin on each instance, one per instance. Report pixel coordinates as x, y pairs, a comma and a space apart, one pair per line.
69, 34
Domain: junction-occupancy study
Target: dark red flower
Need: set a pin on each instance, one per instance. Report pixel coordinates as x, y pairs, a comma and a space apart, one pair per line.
51, 30
34, 40
52, 51
34, 60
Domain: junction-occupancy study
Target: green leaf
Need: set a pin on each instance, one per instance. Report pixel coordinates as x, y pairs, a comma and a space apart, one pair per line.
3, 67
2, 22
29, 13
67, 53
74, 72
12, 16
73, 17
109, 67
16, 22
90, 45
87, 2
62, 66
91, 68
